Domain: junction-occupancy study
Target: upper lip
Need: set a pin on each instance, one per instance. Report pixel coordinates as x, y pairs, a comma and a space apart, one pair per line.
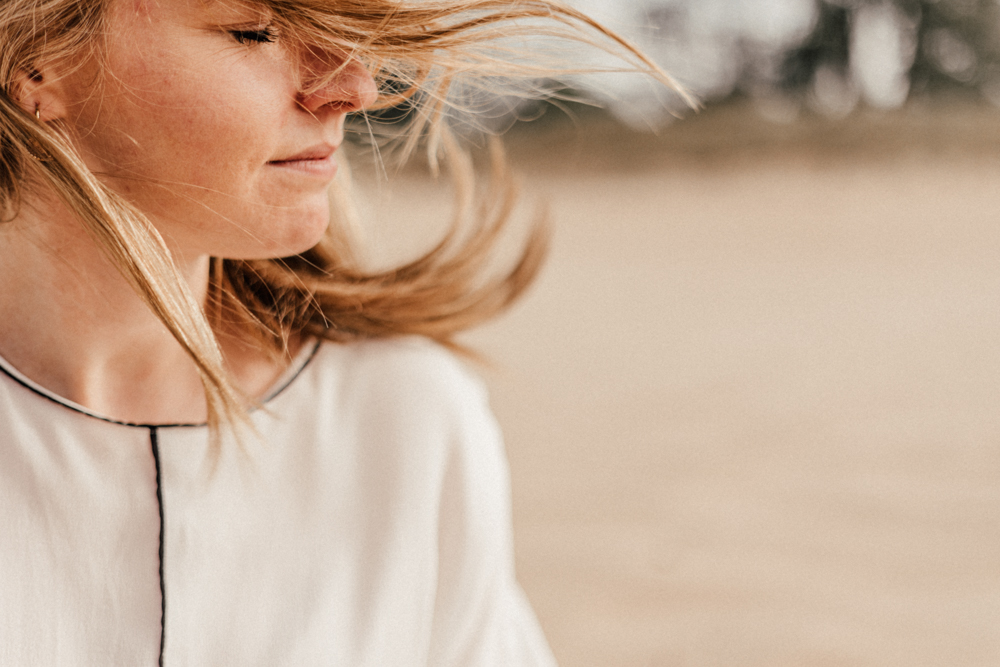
318, 152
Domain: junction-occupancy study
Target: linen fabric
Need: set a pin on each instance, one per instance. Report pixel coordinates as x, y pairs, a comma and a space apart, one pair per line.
368, 525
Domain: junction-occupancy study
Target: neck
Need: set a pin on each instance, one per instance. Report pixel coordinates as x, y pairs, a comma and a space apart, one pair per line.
71, 322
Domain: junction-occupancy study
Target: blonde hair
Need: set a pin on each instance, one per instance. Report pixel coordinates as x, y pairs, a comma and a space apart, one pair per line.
418, 52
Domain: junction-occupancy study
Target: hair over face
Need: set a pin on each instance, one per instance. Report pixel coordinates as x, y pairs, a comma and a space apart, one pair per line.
417, 52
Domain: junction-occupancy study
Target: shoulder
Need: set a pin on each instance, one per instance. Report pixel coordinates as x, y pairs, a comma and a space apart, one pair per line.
423, 445
407, 358
406, 385
409, 369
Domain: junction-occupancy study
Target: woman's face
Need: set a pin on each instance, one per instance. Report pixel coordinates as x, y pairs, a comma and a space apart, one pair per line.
199, 119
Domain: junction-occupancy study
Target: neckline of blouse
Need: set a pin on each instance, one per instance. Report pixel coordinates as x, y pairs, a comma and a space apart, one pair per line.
284, 381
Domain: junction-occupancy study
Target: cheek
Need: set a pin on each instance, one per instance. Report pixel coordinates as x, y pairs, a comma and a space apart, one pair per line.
184, 124
200, 140
188, 144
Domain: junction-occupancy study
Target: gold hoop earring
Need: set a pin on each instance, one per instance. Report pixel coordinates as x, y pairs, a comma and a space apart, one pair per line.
35, 149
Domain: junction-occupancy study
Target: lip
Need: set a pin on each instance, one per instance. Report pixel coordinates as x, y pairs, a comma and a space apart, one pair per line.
317, 161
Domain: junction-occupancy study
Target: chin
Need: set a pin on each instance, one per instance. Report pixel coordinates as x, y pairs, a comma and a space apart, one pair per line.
297, 235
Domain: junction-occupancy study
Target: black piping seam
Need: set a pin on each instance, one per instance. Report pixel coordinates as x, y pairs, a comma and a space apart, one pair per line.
57, 401
83, 412
280, 390
154, 444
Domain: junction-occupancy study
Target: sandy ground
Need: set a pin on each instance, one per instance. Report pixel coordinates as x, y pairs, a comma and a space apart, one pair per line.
751, 406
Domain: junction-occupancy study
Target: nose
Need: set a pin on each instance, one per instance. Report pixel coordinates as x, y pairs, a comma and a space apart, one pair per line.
350, 89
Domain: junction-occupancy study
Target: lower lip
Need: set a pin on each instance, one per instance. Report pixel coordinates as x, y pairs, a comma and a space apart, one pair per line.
322, 168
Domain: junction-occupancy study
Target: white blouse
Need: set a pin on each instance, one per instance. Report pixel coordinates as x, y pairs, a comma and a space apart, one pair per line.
369, 525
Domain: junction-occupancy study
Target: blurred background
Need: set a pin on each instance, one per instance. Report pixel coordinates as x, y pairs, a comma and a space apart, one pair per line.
751, 405
789, 56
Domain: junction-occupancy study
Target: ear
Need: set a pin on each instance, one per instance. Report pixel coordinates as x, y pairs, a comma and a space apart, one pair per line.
39, 89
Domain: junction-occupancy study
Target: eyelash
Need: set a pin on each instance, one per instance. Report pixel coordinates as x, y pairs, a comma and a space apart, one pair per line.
250, 37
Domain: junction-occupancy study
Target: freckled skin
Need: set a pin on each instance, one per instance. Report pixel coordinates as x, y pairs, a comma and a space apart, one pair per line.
187, 120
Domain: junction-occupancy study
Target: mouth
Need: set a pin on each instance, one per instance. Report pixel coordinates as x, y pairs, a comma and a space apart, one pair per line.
317, 161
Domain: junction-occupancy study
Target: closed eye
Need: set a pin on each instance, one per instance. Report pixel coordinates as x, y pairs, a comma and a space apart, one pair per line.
264, 35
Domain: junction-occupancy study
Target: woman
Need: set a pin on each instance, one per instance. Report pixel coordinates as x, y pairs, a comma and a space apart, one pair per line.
187, 473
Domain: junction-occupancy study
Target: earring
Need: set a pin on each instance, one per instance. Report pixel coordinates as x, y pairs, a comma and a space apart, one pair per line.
35, 149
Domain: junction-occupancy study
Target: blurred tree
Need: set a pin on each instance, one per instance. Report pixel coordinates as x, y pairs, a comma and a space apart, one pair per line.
829, 54
957, 45
827, 46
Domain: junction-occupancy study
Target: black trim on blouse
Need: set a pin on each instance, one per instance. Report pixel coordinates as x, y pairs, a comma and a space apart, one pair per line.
288, 383
154, 445
79, 409
155, 449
